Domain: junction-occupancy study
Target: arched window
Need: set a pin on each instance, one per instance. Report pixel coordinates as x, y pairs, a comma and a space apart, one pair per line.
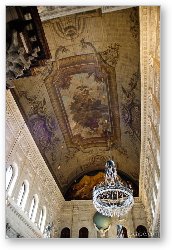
65, 233
141, 232
11, 177
33, 208
83, 232
23, 194
121, 232
42, 218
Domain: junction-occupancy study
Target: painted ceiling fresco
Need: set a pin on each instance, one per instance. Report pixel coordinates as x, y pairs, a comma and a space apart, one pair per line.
82, 189
87, 111
83, 105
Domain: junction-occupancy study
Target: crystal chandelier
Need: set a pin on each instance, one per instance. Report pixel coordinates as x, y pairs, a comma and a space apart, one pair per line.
111, 197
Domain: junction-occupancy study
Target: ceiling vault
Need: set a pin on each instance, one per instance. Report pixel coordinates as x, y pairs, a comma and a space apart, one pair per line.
85, 101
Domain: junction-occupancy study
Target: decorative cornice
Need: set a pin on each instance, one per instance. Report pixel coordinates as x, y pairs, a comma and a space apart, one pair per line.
50, 12
144, 88
107, 9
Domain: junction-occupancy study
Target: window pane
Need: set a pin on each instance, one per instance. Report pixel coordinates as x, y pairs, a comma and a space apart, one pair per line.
9, 176
40, 219
21, 194
32, 207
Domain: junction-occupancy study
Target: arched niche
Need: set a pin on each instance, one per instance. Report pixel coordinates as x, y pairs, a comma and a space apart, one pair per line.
65, 233
141, 232
83, 232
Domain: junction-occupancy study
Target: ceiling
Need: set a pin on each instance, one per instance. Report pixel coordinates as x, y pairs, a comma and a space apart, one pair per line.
83, 106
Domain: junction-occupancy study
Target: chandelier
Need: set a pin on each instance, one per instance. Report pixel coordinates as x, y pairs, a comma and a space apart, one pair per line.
111, 197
